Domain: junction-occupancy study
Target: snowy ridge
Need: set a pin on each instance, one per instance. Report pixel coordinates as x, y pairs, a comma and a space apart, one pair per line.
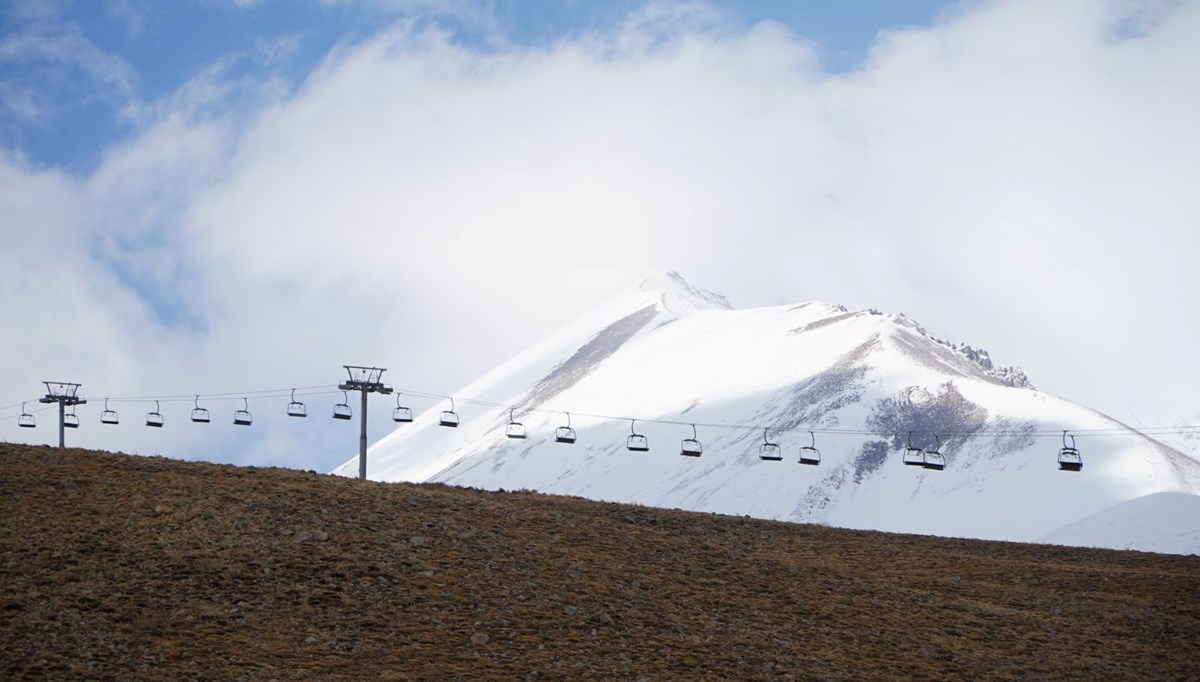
670, 351
1009, 376
1185, 436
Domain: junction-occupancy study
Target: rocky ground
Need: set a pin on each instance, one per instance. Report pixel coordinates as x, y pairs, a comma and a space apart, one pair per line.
122, 567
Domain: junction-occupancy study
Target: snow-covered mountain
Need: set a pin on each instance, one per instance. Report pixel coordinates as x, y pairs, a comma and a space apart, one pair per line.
1143, 524
862, 379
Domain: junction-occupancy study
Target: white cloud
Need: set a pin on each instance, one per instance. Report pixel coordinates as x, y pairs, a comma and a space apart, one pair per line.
1018, 176
63, 52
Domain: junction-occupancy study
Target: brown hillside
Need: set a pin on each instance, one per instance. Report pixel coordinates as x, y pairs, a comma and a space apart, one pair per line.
121, 567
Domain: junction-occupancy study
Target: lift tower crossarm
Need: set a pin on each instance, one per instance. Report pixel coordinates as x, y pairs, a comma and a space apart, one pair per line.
66, 394
364, 380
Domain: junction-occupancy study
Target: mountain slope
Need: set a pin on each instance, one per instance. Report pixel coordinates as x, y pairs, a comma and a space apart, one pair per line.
1144, 524
118, 567
670, 351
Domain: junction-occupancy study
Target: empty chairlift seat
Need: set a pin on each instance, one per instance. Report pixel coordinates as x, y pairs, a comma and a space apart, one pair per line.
515, 429
242, 417
1069, 458
342, 410
108, 416
296, 408
913, 456
449, 418
26, 420
70, 419
401, 414
691, 447
636, 442
809, 454
155, 419
769, 451
565, 434
934, 459
199, 414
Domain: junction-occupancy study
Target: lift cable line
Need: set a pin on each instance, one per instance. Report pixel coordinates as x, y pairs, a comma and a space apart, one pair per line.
364, 380
233, 395
343, 411
66, 394
368, 380
1055, 433
108, 417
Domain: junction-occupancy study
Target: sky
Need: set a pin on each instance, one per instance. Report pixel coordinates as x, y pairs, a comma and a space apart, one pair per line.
224, 196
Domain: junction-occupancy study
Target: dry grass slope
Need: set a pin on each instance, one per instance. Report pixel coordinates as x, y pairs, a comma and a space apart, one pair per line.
120, 567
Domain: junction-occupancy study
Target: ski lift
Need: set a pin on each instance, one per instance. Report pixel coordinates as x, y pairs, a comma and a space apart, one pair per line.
71, 421
913, 456
401, 413
199, 414
934, 459
108, 416
636, 441
342, 410
565, 434
449, 417
515, 429
26, 420
691, 447
809, 454
1068, 457
242, 417
296, 408
769, 451
154, 418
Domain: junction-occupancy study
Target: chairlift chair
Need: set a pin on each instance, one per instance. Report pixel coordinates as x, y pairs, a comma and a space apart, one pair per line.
155, 418
242, 417
1068, 457
26, 420
913, 456
565, 434
342, 410
934, 459
636, 442
296, 408
449, 418
769, 451
401, 414
809, 454
199, 414
691, 447
70, 420
108, 416
515, 429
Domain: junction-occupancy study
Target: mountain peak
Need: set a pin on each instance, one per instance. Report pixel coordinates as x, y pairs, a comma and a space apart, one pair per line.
682, 297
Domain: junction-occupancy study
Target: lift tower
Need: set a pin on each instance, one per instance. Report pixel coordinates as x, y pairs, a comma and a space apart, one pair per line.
66, 394
364, 380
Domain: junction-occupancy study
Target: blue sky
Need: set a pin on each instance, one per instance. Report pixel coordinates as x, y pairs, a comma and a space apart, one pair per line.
236, 195
155, 47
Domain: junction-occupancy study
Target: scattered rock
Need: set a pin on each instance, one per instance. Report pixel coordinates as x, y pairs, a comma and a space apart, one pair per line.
479, 639
311, 536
